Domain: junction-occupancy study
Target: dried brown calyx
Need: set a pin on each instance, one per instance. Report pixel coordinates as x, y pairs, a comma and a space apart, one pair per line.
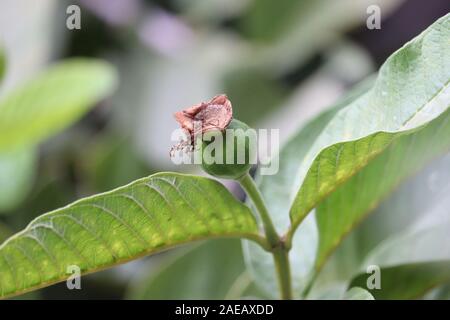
215, 114
204, 125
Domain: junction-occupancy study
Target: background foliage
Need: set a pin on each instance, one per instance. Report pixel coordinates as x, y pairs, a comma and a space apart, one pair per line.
282, 63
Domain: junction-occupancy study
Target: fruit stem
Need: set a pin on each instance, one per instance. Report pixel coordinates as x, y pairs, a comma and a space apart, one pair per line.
283, 270
277, 246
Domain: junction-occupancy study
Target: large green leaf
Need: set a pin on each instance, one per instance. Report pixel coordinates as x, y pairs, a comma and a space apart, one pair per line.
393, 129
204, 272
16, 176
146, 216
44, 106
277, 188
52, 101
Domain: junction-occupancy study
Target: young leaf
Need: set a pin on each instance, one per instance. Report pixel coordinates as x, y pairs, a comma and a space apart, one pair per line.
395, 128
52, 101
144, 217
276, 189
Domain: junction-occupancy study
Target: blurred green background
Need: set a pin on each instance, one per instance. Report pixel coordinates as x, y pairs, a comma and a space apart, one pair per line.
280, 63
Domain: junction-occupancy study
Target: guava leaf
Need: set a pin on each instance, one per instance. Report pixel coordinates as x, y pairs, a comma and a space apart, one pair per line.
46, 105
52, 101
149, 215
378, 140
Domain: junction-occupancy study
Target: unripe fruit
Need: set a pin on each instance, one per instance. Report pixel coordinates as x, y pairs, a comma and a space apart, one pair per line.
225, 146
229, 153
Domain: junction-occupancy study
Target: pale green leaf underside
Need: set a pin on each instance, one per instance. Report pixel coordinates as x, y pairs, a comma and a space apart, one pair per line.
53, 100
357, 293
146, 216
390, 132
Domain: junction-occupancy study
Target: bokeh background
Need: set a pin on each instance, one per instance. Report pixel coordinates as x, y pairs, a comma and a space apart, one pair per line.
280, 63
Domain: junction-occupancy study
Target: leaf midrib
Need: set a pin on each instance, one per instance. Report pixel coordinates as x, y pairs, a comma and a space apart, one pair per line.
444, 87
128, 259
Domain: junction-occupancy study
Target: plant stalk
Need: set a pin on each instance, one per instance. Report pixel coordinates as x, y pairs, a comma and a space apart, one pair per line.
283, 269
277, 247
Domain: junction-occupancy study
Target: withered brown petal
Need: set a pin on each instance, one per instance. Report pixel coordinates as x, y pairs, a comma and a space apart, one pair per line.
214, 114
